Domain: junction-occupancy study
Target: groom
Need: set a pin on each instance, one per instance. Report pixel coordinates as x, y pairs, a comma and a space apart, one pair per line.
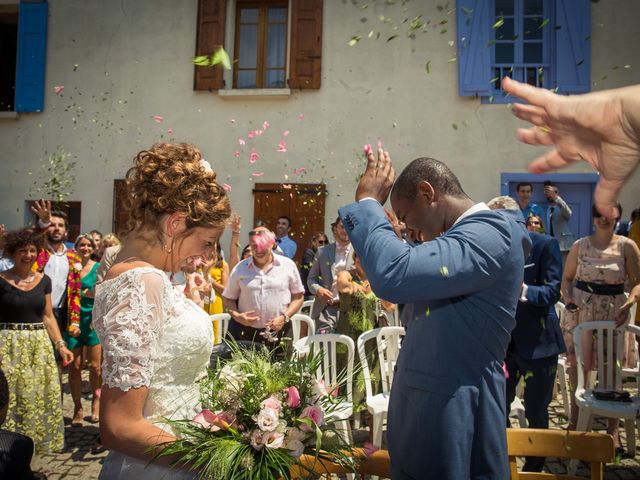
447, 406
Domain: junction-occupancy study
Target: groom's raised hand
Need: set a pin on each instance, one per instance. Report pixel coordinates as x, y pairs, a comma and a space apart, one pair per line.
377, 179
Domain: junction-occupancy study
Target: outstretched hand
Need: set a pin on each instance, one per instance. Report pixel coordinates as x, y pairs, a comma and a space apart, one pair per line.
42, 208
377, 179
600, 128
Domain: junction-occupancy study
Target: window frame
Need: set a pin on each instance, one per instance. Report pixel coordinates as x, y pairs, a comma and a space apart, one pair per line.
262, 41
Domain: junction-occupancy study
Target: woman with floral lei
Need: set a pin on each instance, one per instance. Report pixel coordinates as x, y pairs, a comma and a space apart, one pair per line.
156, 341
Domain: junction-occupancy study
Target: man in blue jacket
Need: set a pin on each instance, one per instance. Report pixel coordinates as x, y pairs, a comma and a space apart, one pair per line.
447, 406
537, 339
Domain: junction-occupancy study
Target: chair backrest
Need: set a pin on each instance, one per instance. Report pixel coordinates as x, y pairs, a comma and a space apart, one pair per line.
376, 463
296, 322
393, 320
609, 343
223, 320
559, 306
307, 306
388, 342
326, 345
594, 448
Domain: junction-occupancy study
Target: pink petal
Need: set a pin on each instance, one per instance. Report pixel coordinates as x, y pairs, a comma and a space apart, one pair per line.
236, 154
257, 174
242, 142
300, 170
250, 135
286, 186
285, 133
158, 118
226, 186
170, 131
258, 132
254, 157
58, 89
282, 147
369, 448
301, 116
265, 125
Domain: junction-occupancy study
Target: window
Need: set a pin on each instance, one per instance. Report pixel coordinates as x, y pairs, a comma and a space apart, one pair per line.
23, 41
262, 37
260, 46
545, 43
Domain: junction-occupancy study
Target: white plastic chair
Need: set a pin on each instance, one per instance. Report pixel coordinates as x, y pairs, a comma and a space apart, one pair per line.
562, 373
299, 343
609, 377
221, 324
633, 372
326, 345
517, 410
388, 341
307, 307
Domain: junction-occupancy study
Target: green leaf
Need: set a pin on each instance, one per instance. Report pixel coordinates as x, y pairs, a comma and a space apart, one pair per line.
455, 127
391, 37
499, 23
201, 61
544, 23
355, 39
427, 66
466, 10
221, 57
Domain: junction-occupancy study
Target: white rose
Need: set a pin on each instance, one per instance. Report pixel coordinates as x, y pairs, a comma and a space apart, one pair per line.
77, 266
267, 420
256, 439
273, 439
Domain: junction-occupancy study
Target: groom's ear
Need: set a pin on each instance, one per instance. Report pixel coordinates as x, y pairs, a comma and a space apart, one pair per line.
426, 193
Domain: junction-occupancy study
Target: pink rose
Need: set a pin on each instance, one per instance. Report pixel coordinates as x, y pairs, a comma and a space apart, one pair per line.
293, 397
314, 413
272, 403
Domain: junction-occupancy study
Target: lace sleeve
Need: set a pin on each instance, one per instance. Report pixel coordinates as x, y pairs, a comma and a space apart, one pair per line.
129, 328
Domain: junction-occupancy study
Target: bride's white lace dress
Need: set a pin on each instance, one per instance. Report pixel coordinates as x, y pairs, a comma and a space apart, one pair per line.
152, 336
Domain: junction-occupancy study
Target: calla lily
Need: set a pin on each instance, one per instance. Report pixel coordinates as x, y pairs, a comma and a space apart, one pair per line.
293, 397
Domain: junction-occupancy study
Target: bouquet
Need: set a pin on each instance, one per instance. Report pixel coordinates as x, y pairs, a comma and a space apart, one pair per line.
260, 417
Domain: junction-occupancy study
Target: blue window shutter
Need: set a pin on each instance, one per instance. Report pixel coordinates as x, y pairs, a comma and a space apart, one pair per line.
573, 46
32, 50
474, 52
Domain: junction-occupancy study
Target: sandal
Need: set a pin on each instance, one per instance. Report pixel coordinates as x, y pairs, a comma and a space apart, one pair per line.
78, 418
97, 447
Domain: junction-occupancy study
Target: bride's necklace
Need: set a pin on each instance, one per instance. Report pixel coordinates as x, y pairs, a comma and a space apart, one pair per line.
30, 278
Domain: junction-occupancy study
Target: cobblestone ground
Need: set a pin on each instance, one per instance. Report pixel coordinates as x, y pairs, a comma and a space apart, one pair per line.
77, 462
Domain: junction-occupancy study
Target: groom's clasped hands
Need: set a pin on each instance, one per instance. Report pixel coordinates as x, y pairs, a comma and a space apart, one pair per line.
377, 179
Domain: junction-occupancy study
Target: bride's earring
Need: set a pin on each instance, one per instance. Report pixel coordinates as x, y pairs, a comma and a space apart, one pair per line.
168, 249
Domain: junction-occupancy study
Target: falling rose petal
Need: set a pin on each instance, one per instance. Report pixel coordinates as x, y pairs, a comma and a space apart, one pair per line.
233, 120
367, 149
380, 144
265, 125
170, 131
282, 147
242, 142
226, 186
236, 154
254, 157
301, 116
286, 177
258, 132
300, 170
250, 135
58, 89
285, 133
286, 186
257, 174
158, 118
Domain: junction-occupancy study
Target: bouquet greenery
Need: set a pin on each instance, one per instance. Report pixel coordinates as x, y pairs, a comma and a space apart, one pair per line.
261, 415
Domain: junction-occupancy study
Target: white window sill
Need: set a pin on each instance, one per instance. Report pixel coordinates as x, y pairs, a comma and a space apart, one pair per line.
255, 93
9, 115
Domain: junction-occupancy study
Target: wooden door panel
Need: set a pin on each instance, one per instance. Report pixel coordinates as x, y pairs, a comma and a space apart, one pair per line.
120, 215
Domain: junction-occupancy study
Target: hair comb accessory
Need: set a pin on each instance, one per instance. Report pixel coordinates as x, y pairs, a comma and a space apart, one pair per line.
206, 166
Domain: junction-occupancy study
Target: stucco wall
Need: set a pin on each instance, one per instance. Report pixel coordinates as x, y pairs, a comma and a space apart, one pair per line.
121, 63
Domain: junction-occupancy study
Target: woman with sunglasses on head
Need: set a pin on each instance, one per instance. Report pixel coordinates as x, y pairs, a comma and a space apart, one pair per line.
83, 335
318, 240
597, 268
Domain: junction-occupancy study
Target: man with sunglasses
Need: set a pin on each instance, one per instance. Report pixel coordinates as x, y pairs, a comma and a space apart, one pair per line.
263, 292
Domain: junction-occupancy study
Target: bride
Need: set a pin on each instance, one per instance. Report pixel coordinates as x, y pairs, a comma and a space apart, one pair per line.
156, 341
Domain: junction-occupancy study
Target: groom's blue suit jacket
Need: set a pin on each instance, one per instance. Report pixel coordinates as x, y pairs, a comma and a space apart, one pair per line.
447, 407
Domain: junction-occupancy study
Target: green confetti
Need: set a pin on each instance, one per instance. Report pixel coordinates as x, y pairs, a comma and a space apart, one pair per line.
467, 11
544, 23
355, 39
455, 127
444, 271
529, 374
392, 37
427, 66
494, 79
499, 23
427, 312
201, 61
443, 31
221, 57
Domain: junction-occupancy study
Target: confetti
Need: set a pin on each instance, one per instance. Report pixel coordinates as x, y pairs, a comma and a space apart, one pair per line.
354, 40
300, 170
265, 125
226, 187
250, 135
170, 131
444, 271
257, 174
285, 133
258, 132
158, 118
236, 154
427, 66
58, 89
499, 23
254, 157
233, 120
241, 142
301, 116
286, 186
282, 147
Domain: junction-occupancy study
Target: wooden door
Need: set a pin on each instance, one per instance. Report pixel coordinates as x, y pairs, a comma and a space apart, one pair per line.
303, 203
120, 214
73, 211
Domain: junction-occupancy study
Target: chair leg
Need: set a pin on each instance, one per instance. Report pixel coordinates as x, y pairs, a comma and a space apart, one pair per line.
562, 378
378, 420
344, 430
630, 428
584, 423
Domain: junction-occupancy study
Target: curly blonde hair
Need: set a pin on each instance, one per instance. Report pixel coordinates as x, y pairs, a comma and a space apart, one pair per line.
169, 178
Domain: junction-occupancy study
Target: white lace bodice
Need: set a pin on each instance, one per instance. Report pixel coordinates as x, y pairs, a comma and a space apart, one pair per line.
153, 336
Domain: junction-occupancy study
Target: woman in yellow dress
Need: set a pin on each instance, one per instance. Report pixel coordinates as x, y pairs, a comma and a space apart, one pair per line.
218, 275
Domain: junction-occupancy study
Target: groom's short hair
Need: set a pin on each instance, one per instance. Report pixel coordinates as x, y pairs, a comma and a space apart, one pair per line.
427, 170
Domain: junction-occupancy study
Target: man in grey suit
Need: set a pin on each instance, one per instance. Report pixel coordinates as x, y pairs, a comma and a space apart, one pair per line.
447, 405
329, 260
558, 216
